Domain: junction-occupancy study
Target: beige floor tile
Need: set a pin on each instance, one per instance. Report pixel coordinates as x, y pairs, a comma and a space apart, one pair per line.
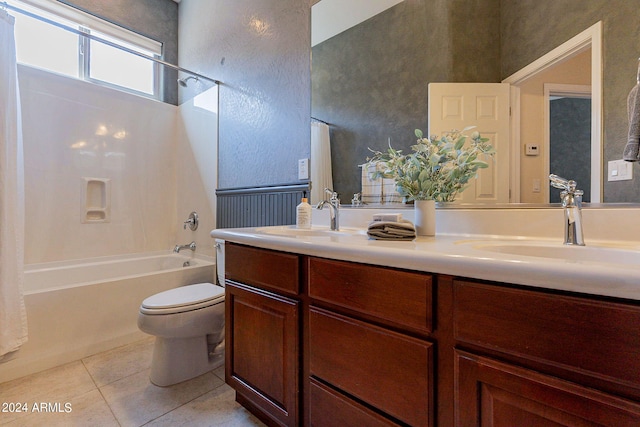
219, 372
120, 362
60, 384
89, 409
216, 408
135, 401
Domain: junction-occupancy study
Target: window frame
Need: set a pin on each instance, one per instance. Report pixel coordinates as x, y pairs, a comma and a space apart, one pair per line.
84, 25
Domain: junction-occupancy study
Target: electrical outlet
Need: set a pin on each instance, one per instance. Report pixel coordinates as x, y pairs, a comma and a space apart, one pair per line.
620, 170
303, 169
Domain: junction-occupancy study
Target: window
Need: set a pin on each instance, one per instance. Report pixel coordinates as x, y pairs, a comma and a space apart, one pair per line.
46, 44
108, 64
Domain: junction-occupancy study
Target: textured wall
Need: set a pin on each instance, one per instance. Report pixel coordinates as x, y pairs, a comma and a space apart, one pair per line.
260, 51
570, 136
156, 19
371, 82
531, 28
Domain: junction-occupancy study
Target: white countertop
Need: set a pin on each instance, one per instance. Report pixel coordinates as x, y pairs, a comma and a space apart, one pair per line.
471, 255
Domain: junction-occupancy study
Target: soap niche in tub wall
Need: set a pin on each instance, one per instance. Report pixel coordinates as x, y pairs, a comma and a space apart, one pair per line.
96, 200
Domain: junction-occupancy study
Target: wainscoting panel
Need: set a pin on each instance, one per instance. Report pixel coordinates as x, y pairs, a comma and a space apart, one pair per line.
259, 206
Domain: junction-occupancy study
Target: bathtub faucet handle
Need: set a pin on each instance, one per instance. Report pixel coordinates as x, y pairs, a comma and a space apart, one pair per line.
192, 222
191, 246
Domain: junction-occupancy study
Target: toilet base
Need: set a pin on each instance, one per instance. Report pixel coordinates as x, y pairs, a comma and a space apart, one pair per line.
180, 359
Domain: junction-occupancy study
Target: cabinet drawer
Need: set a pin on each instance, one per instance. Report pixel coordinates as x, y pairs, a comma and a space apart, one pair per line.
597, 338
327, 408
394, 296
263, 268
385, 369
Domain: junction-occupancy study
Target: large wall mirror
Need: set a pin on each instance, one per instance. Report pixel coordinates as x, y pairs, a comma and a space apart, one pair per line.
370, 82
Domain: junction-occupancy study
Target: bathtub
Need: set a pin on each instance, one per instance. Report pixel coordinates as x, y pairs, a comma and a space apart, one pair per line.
82, 307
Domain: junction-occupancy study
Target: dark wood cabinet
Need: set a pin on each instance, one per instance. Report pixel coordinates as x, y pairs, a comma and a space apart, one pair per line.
320, 342
387, 370
497, 394
402, 299
329, 408
543, 359
262, 346
368, 340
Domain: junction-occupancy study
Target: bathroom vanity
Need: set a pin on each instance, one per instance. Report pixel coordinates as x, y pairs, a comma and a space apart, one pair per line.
330, 329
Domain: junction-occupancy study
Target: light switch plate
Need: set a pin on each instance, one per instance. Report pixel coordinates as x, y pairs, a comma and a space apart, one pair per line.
303, 169
531, 149
620, 170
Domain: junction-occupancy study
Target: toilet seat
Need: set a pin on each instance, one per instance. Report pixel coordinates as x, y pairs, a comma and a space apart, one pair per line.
182, 299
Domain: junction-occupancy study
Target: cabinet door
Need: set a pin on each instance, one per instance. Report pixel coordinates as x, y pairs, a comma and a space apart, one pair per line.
262, 336
496, 394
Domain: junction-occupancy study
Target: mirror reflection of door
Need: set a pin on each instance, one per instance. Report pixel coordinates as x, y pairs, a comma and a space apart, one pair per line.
485, 106
570, 141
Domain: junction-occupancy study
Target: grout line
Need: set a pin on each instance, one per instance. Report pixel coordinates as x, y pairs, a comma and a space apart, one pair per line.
115, 417
100, 391
188, 402
89, 373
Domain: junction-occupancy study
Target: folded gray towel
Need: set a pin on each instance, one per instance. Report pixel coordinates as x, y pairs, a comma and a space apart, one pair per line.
632, 149
388, 230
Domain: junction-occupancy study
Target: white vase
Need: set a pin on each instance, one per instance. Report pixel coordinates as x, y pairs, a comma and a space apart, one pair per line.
425, 217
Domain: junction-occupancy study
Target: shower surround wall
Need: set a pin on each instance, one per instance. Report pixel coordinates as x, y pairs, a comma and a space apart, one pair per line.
75, 130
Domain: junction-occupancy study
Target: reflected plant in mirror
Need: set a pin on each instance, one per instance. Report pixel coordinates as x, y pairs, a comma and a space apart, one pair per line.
438, 168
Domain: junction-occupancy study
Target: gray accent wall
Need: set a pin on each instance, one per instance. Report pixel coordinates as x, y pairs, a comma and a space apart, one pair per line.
570, 143
260, 52
256, 207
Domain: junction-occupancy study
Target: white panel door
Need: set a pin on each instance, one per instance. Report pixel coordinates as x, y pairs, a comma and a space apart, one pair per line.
485, 106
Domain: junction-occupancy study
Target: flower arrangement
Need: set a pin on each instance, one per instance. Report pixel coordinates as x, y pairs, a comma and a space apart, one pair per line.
438, 168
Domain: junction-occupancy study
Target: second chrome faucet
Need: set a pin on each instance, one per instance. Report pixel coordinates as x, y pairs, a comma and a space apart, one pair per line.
571, 199
334, 207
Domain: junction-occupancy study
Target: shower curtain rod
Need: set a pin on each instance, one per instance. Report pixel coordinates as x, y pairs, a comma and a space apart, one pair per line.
4, 5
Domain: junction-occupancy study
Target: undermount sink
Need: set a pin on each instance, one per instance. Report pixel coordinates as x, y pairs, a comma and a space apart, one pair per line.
292, 231
599, 254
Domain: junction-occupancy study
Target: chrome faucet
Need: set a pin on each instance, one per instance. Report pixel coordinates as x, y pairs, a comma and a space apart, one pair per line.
334, 208
572, 204
191, 246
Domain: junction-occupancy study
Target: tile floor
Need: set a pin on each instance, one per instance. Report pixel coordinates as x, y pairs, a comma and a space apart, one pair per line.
113, 389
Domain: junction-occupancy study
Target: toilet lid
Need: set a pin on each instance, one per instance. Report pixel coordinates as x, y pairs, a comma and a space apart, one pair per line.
184, 296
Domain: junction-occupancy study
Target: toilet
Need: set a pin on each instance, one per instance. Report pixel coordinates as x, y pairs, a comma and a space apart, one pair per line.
188, 323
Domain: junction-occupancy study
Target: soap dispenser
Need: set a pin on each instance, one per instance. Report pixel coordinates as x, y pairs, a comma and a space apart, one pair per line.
303, 213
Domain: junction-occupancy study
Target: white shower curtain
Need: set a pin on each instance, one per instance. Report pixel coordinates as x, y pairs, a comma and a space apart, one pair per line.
13, 318
321, 177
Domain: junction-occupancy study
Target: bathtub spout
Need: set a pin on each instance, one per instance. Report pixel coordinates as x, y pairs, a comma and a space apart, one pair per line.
191, 246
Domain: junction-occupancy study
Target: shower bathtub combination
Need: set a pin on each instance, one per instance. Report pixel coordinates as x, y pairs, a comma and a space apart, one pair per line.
82, 307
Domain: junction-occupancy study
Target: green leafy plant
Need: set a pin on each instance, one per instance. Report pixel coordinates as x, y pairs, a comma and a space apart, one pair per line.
438, 168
